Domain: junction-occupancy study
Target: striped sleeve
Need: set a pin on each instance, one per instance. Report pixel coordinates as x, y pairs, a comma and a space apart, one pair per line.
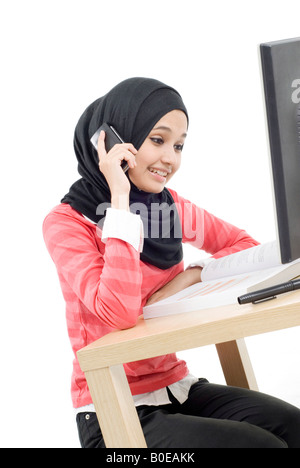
208, 232
108, 283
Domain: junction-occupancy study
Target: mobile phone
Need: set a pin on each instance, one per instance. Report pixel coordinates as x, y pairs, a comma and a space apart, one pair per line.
111, 139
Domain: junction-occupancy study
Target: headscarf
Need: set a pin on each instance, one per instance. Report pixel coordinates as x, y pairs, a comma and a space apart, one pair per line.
132, 107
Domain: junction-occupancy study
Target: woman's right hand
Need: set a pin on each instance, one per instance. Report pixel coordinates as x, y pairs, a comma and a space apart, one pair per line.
181, 281
110, 166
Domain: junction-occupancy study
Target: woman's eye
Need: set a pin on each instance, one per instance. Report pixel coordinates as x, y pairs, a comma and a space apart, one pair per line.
160, 141
157, 140
178, 147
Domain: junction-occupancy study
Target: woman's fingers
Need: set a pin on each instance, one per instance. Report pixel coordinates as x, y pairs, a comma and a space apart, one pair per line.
101, 144
118, 153
126, 152
110, 165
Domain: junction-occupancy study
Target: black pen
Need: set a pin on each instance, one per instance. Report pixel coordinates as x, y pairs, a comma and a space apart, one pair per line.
269, 293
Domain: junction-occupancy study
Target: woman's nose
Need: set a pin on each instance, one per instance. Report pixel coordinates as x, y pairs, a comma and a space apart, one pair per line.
168, 156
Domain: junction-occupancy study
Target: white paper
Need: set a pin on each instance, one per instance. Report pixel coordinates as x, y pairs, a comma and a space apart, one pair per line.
256, 258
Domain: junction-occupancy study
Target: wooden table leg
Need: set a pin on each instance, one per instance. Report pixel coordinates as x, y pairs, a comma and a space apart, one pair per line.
236, 364
115, 408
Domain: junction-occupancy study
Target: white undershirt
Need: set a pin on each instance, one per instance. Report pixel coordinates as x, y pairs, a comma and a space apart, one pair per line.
180, 390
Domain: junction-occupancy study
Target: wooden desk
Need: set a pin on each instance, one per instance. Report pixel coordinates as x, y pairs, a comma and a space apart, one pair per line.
102, 361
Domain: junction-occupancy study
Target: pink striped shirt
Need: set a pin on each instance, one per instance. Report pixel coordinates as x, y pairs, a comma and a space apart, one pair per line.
106, 285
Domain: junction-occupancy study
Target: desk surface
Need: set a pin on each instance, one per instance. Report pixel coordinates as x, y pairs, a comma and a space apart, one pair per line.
191, 330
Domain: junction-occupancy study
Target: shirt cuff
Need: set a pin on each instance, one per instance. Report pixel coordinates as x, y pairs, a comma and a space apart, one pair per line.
123, 225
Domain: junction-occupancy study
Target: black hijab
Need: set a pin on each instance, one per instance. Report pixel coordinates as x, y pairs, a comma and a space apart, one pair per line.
133, 107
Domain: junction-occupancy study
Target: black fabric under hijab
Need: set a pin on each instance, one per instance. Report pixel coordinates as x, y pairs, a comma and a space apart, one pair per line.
133, 107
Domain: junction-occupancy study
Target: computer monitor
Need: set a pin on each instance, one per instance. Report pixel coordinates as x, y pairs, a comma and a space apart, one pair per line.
280, 62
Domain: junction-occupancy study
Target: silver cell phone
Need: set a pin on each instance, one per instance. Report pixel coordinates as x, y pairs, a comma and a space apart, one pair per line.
111, 139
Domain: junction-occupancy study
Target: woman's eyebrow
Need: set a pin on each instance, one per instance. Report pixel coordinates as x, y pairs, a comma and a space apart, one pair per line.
162, 127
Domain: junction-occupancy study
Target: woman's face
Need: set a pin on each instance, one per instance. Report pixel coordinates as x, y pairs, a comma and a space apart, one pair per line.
159, 157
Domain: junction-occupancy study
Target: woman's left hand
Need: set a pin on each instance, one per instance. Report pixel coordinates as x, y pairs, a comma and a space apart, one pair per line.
181, 281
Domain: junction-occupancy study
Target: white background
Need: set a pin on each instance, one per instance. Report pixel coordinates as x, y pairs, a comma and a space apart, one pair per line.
56, 58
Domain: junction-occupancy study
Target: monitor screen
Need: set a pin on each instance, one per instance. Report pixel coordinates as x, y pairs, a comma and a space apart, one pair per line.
281, 78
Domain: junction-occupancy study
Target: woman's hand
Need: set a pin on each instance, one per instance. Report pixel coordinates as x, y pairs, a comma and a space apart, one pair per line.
110, 166
181, 281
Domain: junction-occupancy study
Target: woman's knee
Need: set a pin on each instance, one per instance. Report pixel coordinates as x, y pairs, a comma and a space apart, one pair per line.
290, 426
177, 431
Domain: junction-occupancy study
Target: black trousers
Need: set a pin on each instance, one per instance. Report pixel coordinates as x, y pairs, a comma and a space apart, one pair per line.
214, 416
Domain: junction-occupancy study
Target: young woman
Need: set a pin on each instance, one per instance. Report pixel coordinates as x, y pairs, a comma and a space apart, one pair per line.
116, 240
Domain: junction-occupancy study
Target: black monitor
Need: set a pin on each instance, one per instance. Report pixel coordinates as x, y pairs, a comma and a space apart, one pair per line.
281, 78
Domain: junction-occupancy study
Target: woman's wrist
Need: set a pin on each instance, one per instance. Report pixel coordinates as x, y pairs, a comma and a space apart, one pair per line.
195, 274
120, 201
